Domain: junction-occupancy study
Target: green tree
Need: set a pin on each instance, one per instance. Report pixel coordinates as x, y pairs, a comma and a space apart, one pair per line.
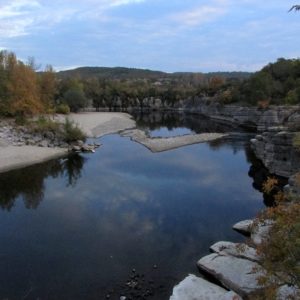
74, 96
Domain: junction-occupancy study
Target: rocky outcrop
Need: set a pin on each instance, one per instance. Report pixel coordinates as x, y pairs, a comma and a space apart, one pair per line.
293, 186
275, 149
250, 117
196, 288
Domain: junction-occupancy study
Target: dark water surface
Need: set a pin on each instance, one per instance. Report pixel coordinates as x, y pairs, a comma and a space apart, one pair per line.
75, 228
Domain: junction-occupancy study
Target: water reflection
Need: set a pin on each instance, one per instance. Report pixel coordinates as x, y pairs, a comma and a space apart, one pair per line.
28, 183
131, 209
195, 123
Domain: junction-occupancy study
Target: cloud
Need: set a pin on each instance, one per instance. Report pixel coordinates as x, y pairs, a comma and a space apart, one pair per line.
16, 17
22, 17
124, 2
202, 14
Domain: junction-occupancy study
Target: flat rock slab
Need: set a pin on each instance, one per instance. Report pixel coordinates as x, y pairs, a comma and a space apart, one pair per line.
195, 288
244, 227
164, 144
239, 250
234, 273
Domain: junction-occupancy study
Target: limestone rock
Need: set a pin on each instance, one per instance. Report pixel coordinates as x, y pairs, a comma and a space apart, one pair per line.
276, 151
43, 143
288, 292
236, 250
237, 274
244, 226
261, 232
195, 288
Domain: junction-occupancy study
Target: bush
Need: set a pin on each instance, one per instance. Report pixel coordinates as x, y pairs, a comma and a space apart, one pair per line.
62, 109
280, 251
20, 120
43, 125
72, 132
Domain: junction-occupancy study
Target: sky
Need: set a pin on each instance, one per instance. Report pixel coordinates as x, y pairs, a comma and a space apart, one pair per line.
166, 35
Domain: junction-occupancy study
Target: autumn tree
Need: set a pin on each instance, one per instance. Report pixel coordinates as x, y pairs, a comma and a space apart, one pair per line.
23, 90
48, 87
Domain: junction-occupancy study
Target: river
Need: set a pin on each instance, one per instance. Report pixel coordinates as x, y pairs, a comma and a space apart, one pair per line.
123, 221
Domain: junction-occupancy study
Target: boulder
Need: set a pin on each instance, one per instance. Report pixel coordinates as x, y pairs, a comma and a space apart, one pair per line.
236, 250
288, 292
44, 143
195, 288
237, 274
261, 232
244, 226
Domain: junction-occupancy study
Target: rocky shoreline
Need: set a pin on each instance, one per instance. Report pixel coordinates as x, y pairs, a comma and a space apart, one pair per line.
236, 267
250, 117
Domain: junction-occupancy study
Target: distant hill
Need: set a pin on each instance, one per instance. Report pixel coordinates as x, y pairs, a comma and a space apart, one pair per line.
111, 73
133, 73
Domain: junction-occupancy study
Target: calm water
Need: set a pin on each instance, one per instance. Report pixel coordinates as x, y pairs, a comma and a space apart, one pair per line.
75, 228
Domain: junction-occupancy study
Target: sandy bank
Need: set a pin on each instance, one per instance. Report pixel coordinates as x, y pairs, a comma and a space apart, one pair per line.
12, 157
93, 124
164, 144
97, 124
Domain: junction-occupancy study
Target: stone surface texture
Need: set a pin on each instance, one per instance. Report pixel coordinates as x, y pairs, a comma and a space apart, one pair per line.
237, 274
195, 288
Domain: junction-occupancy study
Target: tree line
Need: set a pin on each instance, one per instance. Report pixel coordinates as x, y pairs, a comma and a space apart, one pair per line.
25, 91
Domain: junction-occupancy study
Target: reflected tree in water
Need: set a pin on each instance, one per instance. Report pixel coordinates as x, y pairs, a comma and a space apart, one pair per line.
28, 183
72, 167
198, 124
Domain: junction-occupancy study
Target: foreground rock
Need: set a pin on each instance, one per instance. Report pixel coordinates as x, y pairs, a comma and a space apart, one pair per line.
164, 144
237, 274
287, 292
195, 288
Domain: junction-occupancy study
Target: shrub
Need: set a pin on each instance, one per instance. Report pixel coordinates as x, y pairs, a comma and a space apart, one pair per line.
280, 252
43, 125
62, 109
72, 132
269, 185
20, 120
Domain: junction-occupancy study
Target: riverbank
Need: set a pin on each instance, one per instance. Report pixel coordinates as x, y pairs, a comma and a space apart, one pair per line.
18, 148
17, 151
